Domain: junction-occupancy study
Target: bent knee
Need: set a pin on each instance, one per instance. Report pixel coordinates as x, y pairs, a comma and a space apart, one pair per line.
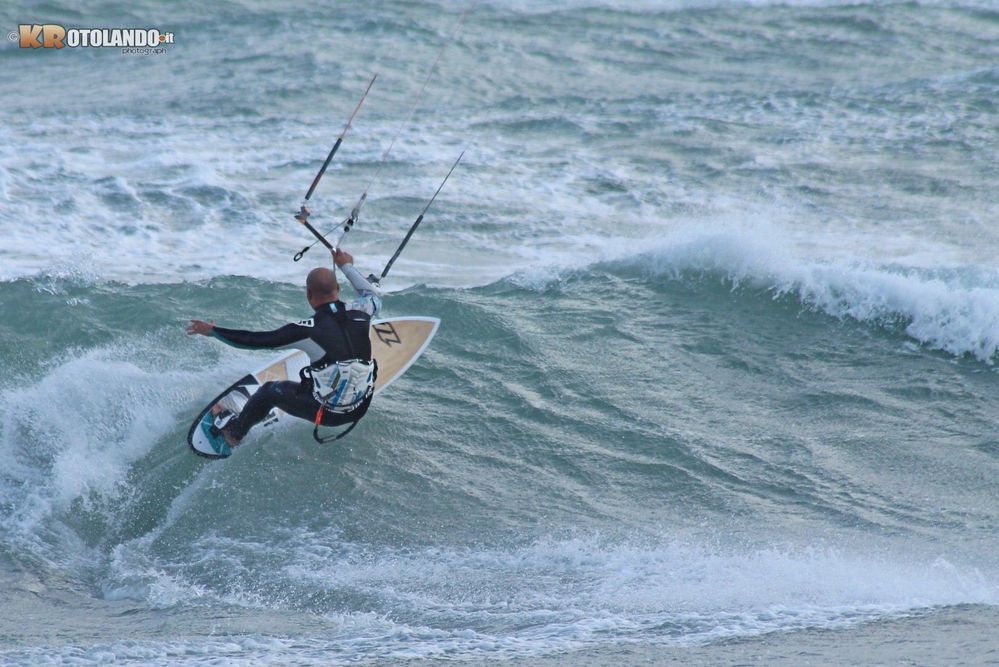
271, 388
279, 388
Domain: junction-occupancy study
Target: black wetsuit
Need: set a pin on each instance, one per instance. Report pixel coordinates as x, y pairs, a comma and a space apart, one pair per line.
335, 332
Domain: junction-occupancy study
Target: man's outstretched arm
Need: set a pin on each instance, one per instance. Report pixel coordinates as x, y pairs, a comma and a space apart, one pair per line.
286, 335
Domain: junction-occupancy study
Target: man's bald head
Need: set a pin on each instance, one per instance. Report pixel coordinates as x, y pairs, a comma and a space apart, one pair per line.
322, 285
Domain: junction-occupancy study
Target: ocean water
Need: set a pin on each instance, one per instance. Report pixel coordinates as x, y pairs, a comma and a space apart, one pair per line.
716, 379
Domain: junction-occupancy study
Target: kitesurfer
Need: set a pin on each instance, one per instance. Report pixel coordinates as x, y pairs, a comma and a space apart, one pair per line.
338, 384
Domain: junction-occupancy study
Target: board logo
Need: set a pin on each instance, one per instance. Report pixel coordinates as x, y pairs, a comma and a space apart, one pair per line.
387, 333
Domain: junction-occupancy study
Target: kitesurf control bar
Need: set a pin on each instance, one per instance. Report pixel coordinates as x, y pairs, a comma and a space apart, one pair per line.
303, 213
416, 224
301, 217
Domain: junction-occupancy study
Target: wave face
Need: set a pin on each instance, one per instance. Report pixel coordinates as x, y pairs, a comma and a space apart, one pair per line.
716, 464
720, 323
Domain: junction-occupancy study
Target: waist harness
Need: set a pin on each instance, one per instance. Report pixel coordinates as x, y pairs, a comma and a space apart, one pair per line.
341, 387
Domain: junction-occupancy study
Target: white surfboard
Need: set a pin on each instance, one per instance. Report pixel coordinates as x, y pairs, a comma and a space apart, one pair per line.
395, 344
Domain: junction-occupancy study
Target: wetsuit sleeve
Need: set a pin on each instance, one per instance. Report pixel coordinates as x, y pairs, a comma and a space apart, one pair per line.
286, 335
367, 299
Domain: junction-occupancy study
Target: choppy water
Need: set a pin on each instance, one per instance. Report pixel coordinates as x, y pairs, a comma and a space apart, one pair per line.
716, 375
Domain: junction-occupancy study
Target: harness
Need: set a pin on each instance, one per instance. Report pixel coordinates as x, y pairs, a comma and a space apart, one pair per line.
341, 387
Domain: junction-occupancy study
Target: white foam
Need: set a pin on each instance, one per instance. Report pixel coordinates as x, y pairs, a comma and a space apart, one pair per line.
955, 309
69, 439
563, 595
923, 287
178, 202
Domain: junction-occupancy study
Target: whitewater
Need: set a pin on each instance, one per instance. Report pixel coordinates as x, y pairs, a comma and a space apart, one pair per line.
716, 377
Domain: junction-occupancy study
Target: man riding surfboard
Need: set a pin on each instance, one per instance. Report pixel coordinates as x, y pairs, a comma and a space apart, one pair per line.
338, 384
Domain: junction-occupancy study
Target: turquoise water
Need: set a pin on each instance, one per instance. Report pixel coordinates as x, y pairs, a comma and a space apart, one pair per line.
715, 380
